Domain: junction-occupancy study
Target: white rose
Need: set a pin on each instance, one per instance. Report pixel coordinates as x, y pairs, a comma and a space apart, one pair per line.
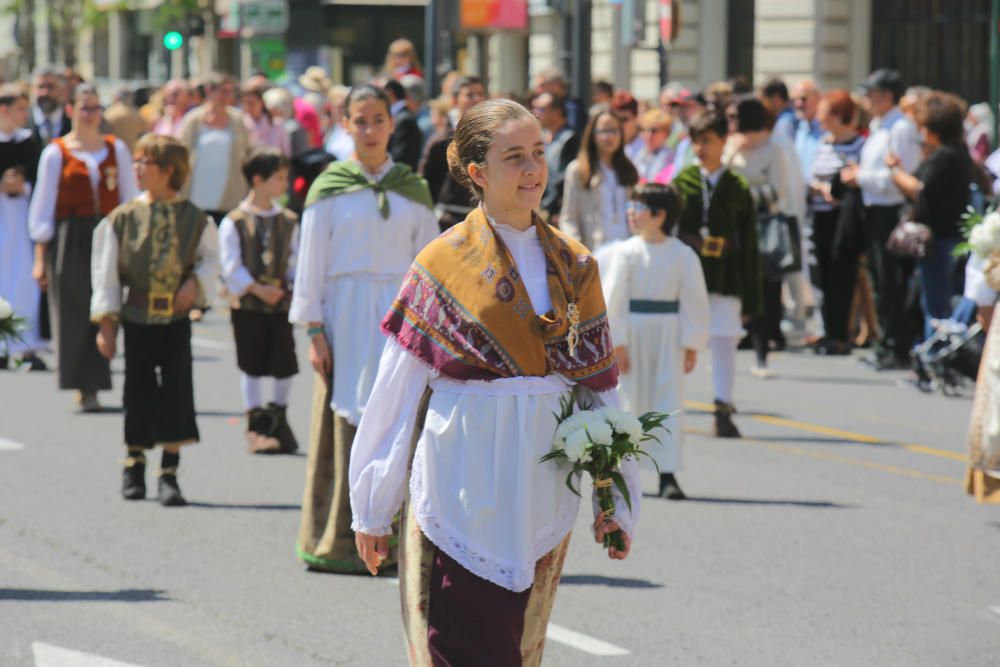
600, 433
5, 309
981, 241
577, 445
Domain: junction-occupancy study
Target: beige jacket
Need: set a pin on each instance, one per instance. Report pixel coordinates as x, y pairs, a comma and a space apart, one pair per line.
236, 186
582, 215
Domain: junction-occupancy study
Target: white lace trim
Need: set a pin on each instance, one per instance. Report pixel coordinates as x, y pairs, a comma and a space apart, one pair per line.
514, 576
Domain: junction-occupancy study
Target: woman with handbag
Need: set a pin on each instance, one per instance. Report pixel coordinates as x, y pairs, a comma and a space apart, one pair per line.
753, 154
939, 190
836, 225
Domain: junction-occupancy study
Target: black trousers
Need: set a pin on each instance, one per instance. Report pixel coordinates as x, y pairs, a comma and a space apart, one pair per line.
891, 277
767, 326
836, 274
159, 390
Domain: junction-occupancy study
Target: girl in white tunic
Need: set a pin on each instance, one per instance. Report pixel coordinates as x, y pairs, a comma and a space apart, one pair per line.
496, 321
658, 309
18, 162
364, 222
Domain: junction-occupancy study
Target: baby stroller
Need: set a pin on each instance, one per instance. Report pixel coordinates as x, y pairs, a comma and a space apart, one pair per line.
949, 360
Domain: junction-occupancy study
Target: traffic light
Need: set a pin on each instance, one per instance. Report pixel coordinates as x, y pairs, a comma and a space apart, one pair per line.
173, 40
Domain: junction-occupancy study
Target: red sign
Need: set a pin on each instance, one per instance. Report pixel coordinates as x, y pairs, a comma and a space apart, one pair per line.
494, 14
670, 20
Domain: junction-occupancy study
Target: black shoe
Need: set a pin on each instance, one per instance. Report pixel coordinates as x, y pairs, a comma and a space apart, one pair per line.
33, 362
134, 480
4, 360
669, 488
724, 426
828, 347
170, 493
282, 431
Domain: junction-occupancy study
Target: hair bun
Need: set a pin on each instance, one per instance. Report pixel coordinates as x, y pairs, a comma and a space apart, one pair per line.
458, 170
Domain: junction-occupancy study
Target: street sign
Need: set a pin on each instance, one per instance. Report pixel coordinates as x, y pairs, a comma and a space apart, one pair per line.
173, 40
670, 20
484, 15
264, 17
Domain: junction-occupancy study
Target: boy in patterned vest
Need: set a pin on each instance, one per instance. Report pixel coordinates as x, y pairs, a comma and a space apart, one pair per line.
259, 242
163, 251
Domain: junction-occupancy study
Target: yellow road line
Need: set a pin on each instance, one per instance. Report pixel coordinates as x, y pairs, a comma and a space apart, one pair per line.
836, 458
838, 433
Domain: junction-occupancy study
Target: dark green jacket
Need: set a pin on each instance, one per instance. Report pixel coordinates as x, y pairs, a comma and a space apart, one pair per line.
731, 214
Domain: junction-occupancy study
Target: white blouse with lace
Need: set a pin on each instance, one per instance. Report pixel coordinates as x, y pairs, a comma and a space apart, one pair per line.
479, 492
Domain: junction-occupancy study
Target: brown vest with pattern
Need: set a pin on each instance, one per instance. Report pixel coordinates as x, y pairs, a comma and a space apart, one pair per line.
265, 245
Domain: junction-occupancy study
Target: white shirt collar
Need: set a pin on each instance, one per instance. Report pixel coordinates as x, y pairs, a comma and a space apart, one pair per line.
247, 207
19, 134
379, 173
713, 177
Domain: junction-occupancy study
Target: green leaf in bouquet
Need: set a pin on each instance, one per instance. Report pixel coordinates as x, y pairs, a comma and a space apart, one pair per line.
646, 454
569, 483
554, 455
619, 481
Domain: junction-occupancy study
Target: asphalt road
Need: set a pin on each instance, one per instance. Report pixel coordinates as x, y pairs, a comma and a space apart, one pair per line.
835, 533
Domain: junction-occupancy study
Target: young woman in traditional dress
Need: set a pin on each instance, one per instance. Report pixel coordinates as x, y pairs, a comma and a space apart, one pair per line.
365, 220
81, 178
497, 321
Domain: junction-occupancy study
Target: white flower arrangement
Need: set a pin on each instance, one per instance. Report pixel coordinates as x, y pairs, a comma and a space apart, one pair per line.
10, 324
596, 442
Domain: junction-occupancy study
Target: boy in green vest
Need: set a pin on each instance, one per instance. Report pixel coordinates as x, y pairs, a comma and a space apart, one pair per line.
258, 245
720, 223
164, 252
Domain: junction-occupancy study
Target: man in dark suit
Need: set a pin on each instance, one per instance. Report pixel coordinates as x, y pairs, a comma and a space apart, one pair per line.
48, 118
407, 139
561, 147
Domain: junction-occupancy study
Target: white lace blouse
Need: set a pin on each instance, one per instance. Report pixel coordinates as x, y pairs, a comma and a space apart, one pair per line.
477, 487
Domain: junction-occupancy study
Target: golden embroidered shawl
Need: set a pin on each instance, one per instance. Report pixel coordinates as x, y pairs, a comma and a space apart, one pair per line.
464, 310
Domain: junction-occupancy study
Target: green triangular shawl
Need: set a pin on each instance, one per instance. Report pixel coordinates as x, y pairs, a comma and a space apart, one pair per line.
341, 178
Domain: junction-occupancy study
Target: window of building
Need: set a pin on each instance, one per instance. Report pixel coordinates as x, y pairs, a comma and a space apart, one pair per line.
740, 28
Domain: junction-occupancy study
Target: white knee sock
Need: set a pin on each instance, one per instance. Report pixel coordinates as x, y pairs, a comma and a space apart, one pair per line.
250, 388
282, 388
723, 366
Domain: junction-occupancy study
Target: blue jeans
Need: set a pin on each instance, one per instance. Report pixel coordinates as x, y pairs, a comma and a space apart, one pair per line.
937, 275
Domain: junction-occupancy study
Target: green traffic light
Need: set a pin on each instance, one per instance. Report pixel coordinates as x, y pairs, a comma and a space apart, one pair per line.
173, 41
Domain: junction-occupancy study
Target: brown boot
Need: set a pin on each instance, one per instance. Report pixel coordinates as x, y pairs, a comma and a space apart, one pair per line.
724, 426
282, 431
260, 432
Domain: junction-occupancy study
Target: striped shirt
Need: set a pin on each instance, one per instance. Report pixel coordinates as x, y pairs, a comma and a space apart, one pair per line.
830, 158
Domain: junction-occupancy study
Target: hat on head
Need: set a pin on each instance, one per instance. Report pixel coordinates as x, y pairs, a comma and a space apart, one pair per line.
883, 79
316, 80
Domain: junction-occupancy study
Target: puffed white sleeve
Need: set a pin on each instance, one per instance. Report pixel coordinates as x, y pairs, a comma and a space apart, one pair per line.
312, 264
626, 516
42, 210
206, 266
234, 273
380, 454
615, 281
975, 283
694, 312
106, 288
128, 186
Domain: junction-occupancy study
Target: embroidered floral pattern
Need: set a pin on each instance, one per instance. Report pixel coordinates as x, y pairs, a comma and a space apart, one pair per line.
505, 290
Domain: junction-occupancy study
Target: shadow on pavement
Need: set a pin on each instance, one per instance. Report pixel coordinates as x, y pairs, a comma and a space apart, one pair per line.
610, 582
220, 413
123, 595
868, 382
265, 507
815, 504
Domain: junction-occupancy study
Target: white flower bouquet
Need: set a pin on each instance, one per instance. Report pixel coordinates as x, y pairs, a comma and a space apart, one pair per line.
596, 442
982, 237
10, 324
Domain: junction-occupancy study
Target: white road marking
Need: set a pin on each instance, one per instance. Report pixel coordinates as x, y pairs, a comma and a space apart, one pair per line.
582, 642
10, 446
572, 638
47, 655
210, 344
